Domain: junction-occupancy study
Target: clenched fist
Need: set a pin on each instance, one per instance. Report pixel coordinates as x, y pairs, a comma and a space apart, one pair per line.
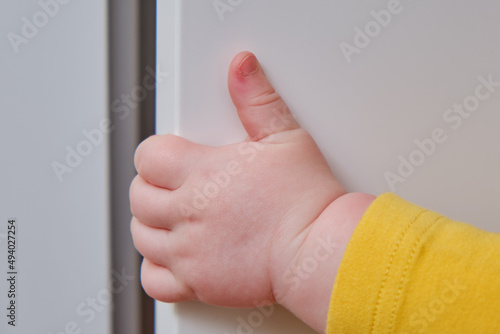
232, 225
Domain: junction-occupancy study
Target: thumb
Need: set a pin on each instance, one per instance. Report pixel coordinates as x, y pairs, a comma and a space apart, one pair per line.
261, 110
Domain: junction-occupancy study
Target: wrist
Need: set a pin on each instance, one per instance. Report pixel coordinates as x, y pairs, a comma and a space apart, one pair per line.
304, 284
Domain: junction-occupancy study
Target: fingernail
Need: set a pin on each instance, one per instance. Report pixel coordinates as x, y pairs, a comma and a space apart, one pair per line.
248, 65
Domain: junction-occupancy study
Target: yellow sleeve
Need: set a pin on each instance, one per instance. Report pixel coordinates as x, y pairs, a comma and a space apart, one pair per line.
409, 270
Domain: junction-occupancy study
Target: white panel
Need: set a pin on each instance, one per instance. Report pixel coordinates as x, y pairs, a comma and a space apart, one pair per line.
166, 120
365, 112
53, 90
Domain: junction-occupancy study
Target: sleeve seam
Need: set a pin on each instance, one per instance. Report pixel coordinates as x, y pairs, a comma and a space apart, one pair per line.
388, 268
404, 276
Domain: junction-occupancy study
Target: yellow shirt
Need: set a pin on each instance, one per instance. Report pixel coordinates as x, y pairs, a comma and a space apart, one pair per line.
409, 270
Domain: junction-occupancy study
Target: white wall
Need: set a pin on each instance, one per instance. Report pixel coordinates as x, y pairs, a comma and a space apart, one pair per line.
364, 112
51, 90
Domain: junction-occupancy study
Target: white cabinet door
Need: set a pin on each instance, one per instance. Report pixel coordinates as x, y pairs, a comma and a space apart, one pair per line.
54, 167
401, 96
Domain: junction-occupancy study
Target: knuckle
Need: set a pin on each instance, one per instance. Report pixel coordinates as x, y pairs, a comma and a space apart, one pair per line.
141, 151
133, 195
148, 284
159, 151
153, 147
136, 235
170, 146
132, 230
151, 286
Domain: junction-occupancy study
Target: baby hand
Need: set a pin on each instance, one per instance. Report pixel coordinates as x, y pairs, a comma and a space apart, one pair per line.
224, 224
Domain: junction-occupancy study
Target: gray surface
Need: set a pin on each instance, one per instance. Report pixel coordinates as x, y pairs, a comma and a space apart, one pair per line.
124, 52
51, 90
363, 114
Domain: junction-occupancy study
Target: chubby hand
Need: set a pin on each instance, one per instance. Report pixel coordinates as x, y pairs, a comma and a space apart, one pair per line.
224, 224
